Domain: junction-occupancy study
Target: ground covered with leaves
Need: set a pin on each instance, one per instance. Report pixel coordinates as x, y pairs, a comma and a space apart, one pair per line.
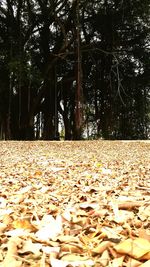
75, 204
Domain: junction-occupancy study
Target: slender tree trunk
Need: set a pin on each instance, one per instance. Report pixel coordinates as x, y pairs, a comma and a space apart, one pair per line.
79, 93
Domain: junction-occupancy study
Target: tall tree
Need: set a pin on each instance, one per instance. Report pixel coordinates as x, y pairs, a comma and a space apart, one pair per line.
54, 54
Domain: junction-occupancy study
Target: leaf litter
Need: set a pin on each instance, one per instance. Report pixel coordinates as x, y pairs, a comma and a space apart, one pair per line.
83, 203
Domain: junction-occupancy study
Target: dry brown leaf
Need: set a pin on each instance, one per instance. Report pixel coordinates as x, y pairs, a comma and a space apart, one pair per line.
128, 205
146, 256
113, 253
87, 205
76, 182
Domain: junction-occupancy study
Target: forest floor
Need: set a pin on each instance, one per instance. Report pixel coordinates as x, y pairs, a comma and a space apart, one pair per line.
83, 203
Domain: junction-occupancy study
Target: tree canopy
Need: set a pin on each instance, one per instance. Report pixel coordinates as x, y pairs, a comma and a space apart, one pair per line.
80, 64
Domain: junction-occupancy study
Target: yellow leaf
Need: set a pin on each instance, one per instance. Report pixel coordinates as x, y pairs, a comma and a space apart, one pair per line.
135, 248
23, 224
71, 248
101, 247
38, 173
98, 164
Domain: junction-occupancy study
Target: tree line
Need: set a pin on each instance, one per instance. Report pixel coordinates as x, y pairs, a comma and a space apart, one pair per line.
79, 64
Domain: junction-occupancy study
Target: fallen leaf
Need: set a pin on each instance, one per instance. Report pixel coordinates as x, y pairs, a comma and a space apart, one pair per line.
49, 228
12, 251
104, 259
29, 246
72, 260
135, 248
3, 226
99, 249
23, 224
17, 232
133, 263
117, 262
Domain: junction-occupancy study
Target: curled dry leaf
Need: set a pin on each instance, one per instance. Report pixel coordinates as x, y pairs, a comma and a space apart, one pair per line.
129, 205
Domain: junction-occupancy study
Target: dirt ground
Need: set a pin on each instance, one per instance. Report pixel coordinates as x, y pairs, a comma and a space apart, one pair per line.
74, 203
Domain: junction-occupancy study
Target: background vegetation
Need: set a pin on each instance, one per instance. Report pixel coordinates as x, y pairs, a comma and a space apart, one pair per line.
81, 64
